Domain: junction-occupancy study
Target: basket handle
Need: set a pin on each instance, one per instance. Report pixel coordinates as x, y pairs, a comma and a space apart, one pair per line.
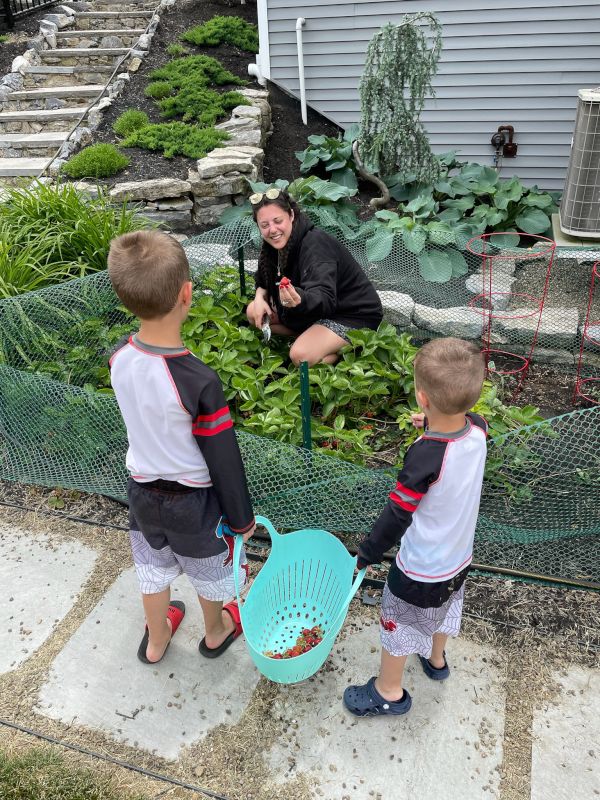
353, 590
237, 550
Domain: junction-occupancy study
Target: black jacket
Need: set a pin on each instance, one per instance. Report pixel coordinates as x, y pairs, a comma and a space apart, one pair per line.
330, 281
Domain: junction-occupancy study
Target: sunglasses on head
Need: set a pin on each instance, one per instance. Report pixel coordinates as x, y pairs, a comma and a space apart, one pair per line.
270, 194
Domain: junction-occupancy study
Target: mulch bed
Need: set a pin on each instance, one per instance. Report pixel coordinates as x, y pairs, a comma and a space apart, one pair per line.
289, 133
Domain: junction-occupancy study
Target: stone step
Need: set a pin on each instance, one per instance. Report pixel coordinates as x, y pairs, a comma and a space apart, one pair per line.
14, 167
38, 120
129, 6
80, 56
94, 20
15, 145
48, 76
52, 97
119, 37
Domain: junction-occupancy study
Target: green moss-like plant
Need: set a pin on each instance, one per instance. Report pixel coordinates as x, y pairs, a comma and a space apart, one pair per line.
177, 139
224, 30
130, 121
199, 70
177, 50
205, 106
158, 90
96, 161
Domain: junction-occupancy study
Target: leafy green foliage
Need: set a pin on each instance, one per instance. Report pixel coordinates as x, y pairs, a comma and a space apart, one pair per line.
49, 233
96, 161
129, 121
400, 65
177, 139
335, 154
4, 37
224, 30
195, 104
45, 775
177, 50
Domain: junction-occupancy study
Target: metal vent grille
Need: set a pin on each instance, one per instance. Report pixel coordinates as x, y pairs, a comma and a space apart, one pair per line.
580, 206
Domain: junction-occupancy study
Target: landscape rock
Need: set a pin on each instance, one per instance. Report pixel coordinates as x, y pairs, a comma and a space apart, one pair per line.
153, 189
14, 80
501, 286
558, 327
232, 183
175, 204
170, 219
109, 42
59, 20
397, 308
463, 322
208, 215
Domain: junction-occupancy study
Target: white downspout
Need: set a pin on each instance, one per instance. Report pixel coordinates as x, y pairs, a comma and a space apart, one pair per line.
300, 22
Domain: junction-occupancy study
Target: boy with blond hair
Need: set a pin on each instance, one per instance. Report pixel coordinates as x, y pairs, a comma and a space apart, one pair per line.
187, 488
432, 512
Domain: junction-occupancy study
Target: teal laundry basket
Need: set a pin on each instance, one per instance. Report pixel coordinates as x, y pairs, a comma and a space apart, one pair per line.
307, 580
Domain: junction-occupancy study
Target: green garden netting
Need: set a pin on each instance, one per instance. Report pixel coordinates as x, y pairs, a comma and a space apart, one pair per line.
539, 508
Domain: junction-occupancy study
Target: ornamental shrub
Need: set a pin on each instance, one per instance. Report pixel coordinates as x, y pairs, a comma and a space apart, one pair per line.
158, 90
177, 139
96, 161
224, 30
129, 121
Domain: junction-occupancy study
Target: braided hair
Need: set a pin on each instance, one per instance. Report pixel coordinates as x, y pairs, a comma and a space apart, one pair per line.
272, 262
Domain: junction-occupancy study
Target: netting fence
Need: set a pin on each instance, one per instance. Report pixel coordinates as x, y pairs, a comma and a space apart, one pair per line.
539, 512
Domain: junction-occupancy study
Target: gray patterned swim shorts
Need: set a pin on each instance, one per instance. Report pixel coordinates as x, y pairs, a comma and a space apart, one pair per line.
407, 629
336, 327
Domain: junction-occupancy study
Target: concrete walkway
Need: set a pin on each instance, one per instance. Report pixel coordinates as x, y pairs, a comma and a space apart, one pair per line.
449, 746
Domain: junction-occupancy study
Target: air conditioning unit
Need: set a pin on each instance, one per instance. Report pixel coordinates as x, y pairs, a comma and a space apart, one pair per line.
580, 205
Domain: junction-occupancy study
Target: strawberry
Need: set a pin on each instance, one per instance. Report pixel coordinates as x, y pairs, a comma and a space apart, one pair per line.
284, 282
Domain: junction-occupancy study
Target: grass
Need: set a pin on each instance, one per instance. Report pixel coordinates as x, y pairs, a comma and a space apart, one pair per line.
41, 774
49, 233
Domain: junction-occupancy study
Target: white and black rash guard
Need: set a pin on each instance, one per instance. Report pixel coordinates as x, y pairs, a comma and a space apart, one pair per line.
433, 510
178, 424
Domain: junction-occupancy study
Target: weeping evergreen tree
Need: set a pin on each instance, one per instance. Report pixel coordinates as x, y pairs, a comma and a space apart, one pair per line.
400, 66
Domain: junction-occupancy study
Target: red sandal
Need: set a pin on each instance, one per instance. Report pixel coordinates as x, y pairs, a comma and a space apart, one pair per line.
175, 614
213, 652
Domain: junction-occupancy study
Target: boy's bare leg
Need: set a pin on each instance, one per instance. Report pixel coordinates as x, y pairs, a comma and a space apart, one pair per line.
437, 651
389, 682
217, 623
156, 608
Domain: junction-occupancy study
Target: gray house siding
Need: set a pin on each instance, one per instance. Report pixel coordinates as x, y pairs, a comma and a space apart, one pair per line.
503, 62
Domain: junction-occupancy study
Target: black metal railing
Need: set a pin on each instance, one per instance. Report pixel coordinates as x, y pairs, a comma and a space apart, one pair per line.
13, 9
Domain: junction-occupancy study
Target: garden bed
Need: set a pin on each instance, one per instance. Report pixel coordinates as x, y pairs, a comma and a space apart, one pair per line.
289, 132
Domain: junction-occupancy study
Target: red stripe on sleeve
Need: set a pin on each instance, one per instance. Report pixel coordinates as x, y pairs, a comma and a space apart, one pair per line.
410, 492
402, 503
212, 431
212, 417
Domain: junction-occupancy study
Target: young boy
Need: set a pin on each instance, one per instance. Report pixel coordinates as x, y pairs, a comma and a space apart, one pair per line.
187, 486
432, 512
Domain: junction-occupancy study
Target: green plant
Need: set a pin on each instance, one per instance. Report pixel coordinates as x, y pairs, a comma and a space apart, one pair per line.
96, 161
400, 65
158, 90
74, 229
24, 266
4, 37
40, 773
129, 121
198, 70
335, 154
467, 200
196, 104
224, 30
177, 139
177, 50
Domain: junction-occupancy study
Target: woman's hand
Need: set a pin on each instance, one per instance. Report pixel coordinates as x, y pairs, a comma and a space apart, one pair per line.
257, 310
288, 296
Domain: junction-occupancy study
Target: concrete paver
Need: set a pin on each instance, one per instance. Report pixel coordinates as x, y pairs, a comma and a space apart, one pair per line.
157, 708
40, 579
566, 740
448, 746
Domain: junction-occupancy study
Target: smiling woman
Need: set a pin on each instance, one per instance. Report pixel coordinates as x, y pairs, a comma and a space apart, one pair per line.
307, 284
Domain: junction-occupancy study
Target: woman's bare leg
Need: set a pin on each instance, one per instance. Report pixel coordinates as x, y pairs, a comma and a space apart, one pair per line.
316, 344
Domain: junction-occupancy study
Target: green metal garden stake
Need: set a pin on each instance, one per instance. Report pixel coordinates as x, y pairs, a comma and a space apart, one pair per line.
242, 271
305, 406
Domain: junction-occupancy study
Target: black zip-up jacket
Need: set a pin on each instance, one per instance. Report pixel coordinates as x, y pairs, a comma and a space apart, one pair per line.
331, 283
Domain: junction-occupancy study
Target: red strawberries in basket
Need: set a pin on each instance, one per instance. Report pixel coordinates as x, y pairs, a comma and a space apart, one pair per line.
309, 638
